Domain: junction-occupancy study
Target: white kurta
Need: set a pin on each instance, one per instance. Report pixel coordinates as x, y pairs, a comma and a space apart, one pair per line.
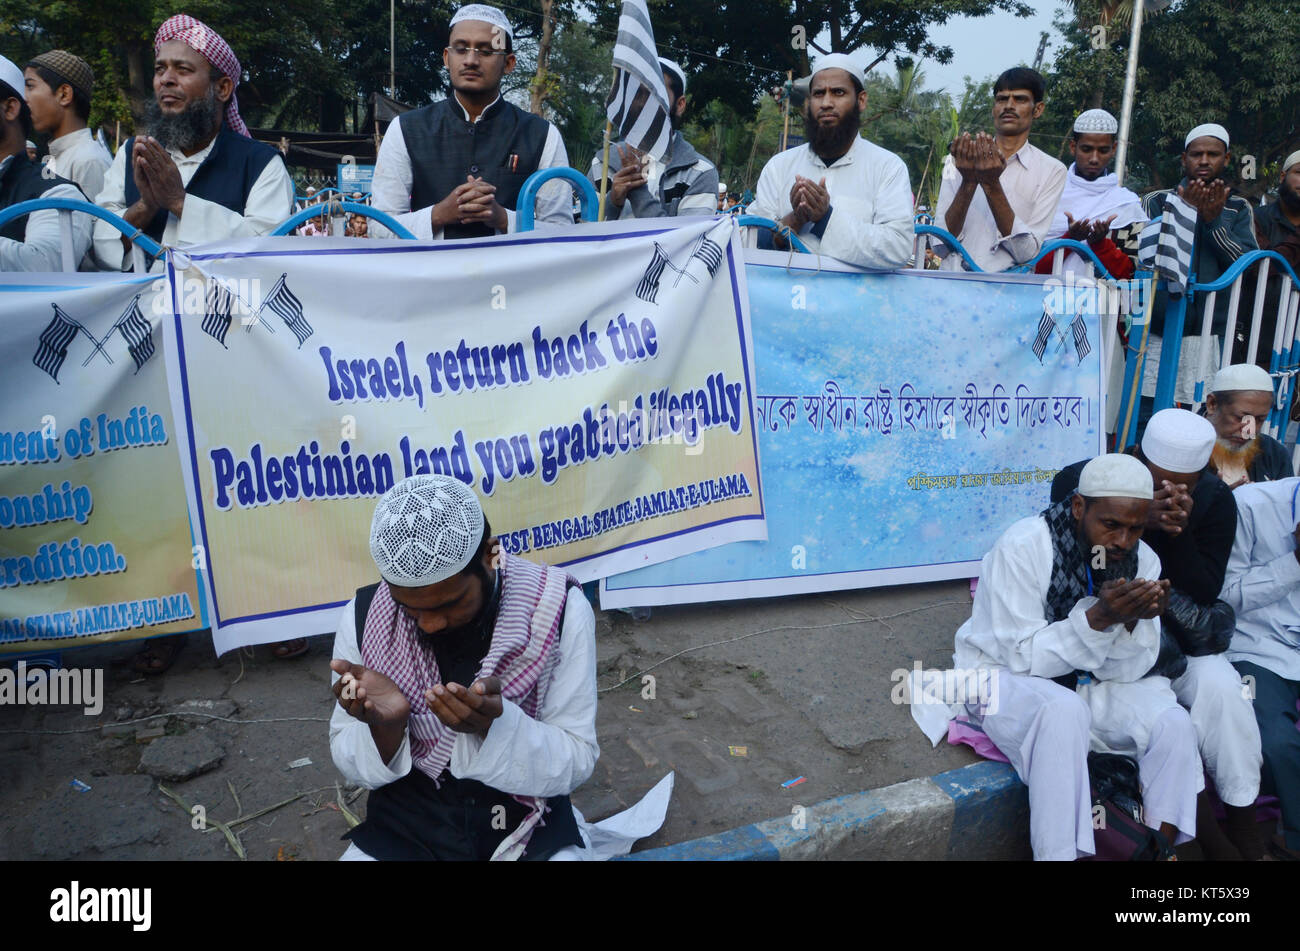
549, 756
870, 223
1262, 582
1033, 182
391, 186
270, 201
81, 160
42, 246
1046, 730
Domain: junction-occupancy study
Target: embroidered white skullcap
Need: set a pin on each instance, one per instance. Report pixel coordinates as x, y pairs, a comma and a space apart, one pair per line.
426, 529
484, 14
1115, 475
1242, 376
1292, 159
1178, 440
840, 61
671, 67
1096, 120
1208, 128
11, 74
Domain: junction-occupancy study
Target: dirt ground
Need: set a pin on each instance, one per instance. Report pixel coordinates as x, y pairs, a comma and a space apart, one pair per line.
766, 691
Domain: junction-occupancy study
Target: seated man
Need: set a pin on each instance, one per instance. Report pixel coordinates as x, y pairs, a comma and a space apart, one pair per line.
1240, 399
1263, 587
1094, 209
1070, 645
466, 682
842, 195
640, 186
1190, 526
34, 242
59, 89
198, 176
454, 169
999, 193
1224, 230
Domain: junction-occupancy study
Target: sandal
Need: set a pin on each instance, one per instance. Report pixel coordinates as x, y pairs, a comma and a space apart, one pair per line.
158, 657
286, 650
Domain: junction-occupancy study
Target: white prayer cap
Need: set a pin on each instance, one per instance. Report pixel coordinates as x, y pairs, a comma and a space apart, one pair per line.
1208, 128
1292, 159
1178, 440
1242, 376
484, 14
1115, 475
11, 74
840, 61
425, 530
1096, 120
669, 66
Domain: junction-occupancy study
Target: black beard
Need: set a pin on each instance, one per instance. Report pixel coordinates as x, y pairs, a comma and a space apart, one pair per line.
835, 141
188, 131
1112, 571
1288, 196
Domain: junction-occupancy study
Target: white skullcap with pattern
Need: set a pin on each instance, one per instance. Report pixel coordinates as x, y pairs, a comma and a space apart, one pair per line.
1115, 475
484, 14
425, 530
1096, 120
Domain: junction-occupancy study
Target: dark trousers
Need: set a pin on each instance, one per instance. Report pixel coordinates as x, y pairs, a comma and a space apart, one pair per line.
1275, 711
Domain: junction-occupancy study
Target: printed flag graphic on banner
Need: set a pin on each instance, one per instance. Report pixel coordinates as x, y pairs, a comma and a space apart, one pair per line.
1045, 327
286, 305
53, 347
1080, 331
137, 332
710, 253
216, 317
648, 287
637, 106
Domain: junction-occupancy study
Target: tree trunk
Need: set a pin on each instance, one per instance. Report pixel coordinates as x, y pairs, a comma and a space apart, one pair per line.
139, 75
540, 85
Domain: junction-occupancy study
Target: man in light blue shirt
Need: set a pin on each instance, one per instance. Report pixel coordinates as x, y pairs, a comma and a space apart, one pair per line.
1263, 587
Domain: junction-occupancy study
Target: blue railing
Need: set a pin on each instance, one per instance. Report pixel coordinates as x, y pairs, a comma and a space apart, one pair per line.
141, 240
757, 221
525, 214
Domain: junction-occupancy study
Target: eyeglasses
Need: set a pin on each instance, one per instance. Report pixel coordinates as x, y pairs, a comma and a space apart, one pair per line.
462, 50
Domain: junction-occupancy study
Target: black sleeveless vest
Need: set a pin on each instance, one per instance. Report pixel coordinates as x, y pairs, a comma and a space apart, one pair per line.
445, 149
24, 180
416, 819
226, 176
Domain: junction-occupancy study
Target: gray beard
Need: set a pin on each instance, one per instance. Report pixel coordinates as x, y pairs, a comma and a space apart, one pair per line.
188, 131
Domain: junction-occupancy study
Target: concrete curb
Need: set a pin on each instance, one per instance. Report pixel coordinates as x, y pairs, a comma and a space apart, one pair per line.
976, 812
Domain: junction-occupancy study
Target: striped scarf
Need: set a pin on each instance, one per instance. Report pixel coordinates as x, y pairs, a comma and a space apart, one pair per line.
1070, 572
521, 656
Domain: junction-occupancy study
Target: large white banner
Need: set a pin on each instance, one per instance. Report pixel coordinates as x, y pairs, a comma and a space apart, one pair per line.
594, 387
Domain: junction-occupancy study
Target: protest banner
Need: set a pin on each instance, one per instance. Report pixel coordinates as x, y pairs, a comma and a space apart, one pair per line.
95, 543
905, 421
592, 387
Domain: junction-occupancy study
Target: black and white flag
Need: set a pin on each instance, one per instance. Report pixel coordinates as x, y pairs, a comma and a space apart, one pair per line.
1045, 327
52, 349
637, 106
1080, 331
710, 252
648, 287
288, 308
216, 316
137, 332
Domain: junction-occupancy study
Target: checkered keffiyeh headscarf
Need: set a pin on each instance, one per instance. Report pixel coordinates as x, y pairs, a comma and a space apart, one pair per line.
208, 43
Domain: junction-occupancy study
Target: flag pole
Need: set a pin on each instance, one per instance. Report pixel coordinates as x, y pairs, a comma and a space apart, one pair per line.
604, 174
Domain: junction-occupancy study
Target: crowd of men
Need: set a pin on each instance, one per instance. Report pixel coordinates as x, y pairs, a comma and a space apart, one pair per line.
1124, 618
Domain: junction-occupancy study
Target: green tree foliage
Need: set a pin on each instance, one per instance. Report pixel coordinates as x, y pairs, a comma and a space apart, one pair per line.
1236, 62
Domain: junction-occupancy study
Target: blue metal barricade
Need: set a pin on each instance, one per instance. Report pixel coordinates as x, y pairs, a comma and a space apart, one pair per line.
352, 207
525, 214
143, 244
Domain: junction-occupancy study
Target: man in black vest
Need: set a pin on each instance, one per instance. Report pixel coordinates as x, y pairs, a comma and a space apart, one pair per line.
198, 176
32, 243
461, 162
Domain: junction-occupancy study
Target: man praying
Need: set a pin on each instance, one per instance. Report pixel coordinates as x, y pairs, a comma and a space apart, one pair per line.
1240, 400
466, 686
1065, 613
